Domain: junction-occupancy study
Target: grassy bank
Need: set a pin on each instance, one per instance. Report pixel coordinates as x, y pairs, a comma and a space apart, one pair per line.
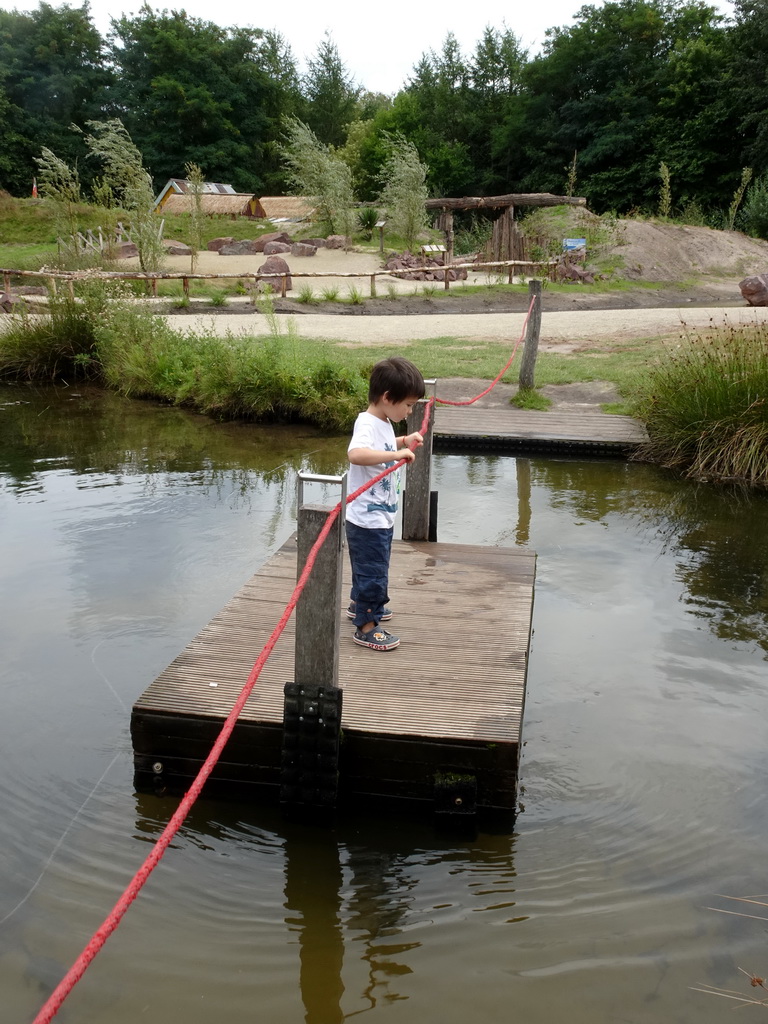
116, 342
703, 398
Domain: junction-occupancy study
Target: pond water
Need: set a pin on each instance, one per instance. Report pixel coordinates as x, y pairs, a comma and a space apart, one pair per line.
126, 526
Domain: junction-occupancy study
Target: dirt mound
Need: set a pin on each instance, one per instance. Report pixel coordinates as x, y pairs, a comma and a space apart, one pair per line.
680, 252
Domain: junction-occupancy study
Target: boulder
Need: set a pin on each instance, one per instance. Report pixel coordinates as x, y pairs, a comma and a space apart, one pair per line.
271, 236
276, 265
123, 251
215, 244
10, 302
303, 249
337, 242
174, 248
246, 247
318, 243
755, 289
567, 271
273, 248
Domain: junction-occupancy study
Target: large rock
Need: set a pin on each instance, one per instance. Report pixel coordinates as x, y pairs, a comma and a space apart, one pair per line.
123, 251
271, 236
337, 242
755, 289
318, 243
10, 303
274, 248
174, 248
303, 249
215, 244
276, 265
246, 247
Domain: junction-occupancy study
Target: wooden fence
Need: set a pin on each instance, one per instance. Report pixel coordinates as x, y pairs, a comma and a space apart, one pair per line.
71, 277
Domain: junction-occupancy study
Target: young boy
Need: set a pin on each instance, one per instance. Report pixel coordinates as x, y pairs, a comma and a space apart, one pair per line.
396, 386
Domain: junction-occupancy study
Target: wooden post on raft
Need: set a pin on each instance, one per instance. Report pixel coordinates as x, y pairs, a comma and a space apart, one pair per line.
309, 760
317, 611
417, 498
525, 380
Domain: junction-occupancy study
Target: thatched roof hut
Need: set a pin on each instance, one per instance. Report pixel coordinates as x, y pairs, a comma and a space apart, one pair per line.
285, 208
233, 205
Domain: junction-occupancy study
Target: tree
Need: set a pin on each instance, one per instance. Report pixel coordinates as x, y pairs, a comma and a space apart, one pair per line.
195, 92
52, 75
330, 93
747, 80
404, 191
616, 87
316, 172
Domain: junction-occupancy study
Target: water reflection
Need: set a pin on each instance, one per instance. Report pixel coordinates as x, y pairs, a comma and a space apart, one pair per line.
361, 901
717, 536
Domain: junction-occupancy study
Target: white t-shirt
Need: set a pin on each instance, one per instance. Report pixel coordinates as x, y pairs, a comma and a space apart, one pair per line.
375, 508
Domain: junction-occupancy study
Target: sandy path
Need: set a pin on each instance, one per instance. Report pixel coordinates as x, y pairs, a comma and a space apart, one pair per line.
559, 331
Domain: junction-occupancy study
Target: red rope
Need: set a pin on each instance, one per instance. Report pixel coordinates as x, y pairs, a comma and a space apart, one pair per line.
497, 378
110, 923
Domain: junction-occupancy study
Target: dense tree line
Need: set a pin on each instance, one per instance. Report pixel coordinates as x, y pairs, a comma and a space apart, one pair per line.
631, 84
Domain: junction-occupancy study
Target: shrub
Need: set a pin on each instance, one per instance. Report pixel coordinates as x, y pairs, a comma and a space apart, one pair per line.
754, 213
705, 406
367, 219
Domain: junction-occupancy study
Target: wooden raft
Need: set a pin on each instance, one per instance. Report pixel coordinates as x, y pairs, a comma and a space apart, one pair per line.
512, 429
448, 700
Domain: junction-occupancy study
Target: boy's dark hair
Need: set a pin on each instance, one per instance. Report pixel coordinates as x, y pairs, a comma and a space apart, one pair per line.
397, 376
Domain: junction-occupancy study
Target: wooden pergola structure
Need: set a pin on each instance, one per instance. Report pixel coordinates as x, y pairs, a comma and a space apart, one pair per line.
506, 242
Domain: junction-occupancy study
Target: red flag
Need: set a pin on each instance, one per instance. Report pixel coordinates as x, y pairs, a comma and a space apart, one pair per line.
34, 188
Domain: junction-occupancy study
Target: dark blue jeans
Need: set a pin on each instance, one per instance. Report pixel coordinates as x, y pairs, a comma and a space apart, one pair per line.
369, 552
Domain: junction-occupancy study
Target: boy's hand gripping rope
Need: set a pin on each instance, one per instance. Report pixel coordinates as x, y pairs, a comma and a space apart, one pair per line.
110, 923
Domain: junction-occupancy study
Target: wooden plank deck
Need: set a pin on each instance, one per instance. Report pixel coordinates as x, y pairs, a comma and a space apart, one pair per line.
512, 429
449, 698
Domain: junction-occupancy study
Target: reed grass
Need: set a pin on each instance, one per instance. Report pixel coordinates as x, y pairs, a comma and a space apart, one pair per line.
705, 405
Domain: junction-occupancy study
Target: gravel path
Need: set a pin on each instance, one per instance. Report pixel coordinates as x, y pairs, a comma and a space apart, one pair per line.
559, 331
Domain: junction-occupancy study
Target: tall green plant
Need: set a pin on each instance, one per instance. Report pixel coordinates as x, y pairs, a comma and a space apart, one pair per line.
738, 195
665, 192
197, 220
403, 190
754, 214
124, 172
59, 184
315, 171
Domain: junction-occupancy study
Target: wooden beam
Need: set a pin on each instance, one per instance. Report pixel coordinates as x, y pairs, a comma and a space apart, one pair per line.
513, 199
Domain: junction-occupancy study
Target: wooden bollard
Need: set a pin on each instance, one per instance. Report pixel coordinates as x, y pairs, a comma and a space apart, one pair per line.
185, 286
418, 474
533, 329
373, 286
318, 608
312, 705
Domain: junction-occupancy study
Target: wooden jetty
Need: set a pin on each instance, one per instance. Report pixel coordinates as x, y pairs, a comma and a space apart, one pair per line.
511, 429
449, 700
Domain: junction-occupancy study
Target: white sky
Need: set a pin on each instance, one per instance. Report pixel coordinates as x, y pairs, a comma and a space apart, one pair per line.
378, 44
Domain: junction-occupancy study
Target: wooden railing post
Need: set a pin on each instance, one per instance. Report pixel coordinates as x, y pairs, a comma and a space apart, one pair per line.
416, 500
533, 329
309, 756
318, 608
